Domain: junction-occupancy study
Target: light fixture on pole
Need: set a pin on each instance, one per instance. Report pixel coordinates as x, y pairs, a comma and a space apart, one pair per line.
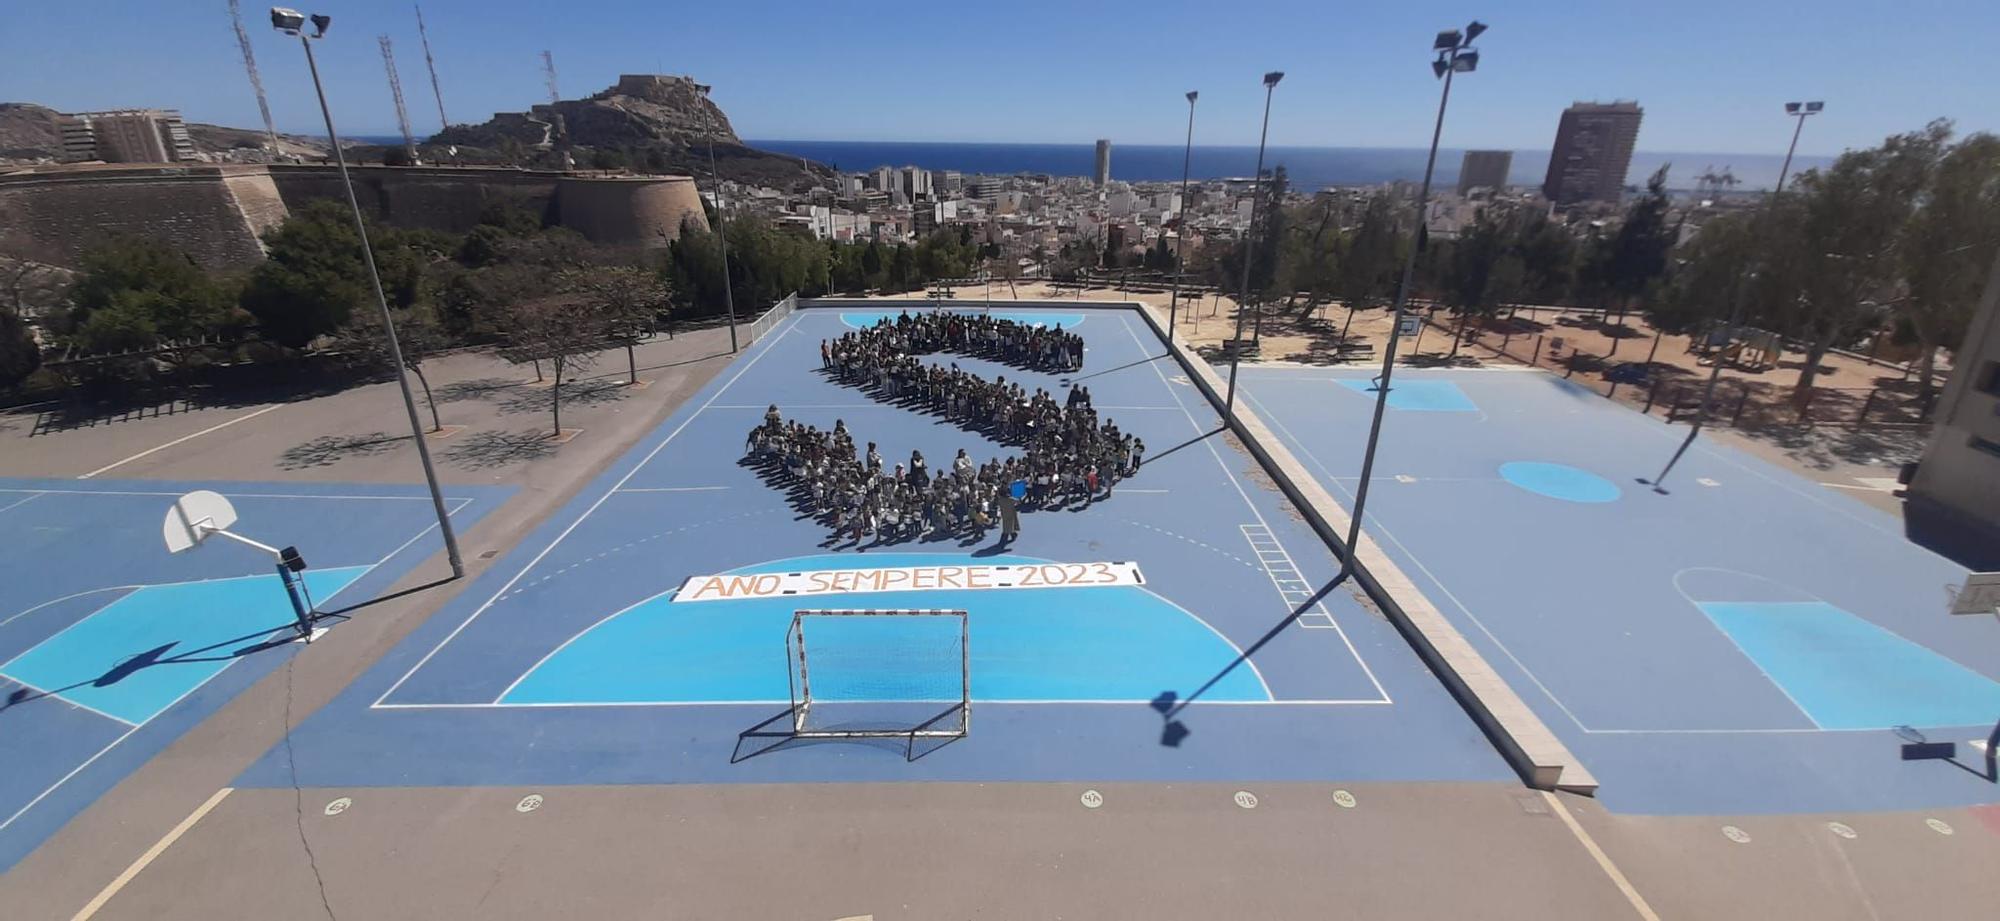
1455, 55
721, 239
292, 22
1249, 233
1180, 238
1799, 111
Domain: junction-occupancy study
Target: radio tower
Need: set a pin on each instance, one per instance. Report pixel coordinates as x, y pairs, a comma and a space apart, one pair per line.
549, 74
396, 91
443, 122
256, 82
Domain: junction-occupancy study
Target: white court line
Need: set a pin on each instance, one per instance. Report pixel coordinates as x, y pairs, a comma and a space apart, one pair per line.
1231, 474
20, 502
672, 488
233, 495
790, 323
1011, 702
87, 762
152, 853
1375, 524
45, 692
28, 611
158, 448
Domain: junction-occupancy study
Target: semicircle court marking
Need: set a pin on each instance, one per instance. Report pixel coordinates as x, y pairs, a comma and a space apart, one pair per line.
721, 651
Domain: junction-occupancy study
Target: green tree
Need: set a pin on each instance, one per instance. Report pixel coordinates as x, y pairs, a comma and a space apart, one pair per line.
20, 355
1631, 262
1366, 275
567, 331
1949, 243
632, 298
133, 294
418, 337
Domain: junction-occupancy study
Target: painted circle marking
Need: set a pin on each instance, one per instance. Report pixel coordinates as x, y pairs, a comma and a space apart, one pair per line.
1343, 799
339, 806
1246, 799
529, 803
1842, 829
1735, 834
1940, 826
1091, 799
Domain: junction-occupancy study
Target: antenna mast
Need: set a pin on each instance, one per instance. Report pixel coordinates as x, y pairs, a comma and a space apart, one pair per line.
549, 74
256, 82
443, 122
396, 91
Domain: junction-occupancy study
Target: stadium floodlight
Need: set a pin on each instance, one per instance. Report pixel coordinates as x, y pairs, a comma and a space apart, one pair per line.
289, 22
1180, 235
721, 235
1455, 55
1799, 111
1243, 294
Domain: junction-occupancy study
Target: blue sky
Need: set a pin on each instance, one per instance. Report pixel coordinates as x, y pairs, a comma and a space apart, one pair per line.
1712, 75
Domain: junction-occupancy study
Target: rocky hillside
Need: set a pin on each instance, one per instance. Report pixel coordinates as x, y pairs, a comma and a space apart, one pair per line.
29, 132
644, 122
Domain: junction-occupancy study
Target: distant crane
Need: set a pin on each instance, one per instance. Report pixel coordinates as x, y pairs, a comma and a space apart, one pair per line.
549, 75
256, 82
443, 122
396, 92
1711, 185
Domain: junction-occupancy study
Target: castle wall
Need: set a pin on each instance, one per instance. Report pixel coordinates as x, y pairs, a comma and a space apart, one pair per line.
192, 208
629, 211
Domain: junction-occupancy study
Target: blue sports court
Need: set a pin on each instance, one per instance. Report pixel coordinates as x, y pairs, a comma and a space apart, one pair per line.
584, 657
110, 648
1749, 642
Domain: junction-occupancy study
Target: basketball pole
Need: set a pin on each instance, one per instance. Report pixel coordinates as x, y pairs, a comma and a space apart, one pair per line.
1707, 393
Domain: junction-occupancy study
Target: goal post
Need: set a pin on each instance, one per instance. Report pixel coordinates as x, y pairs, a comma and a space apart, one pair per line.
879, 673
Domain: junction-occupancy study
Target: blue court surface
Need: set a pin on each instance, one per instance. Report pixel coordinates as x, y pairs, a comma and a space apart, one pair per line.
1748, 642
110, 648
580, 658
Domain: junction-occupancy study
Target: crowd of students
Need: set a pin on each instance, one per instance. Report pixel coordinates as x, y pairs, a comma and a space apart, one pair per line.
1070, 456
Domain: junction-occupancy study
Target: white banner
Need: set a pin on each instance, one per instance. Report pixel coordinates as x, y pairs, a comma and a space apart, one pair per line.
908, 579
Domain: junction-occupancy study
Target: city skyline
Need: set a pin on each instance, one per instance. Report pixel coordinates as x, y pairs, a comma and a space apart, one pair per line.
1705, 88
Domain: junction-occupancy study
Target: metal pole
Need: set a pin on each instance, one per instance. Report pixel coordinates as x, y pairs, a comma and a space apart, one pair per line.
1707, 394
1787, 168
1389, 354
1249, 235
388, 326
1180, 241
722, 241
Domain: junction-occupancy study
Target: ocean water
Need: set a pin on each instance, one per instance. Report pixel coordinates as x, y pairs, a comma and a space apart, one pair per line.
1309, 167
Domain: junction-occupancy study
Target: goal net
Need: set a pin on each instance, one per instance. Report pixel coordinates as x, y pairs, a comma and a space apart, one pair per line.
888, 673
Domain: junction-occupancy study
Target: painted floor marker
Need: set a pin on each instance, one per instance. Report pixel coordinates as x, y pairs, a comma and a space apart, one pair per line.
1735, 834
529, 803
1246, 799
1343, 799
1843, 829
1091, 799
1940, 826
1291, 584
339, 806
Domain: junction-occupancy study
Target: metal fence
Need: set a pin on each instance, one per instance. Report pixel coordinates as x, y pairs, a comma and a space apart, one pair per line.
772, 317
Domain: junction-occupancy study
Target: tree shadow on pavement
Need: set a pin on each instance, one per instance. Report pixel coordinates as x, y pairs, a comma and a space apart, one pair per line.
476, 389
490, 450
327, 450
574, 393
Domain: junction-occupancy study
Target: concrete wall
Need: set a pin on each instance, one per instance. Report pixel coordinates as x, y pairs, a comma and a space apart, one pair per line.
193, 208
218, 213
1954, 500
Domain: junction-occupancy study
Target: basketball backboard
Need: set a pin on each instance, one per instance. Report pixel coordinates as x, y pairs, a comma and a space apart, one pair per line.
1979, 595
194, 516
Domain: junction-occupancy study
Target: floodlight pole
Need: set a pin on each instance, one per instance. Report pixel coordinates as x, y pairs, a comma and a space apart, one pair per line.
1180, 241
1799, 112
721, 238
1249, 234
1449, 54
388, 323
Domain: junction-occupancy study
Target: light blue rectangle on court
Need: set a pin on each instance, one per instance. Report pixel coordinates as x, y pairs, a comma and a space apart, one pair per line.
136, 656
1847, 673
1417, 395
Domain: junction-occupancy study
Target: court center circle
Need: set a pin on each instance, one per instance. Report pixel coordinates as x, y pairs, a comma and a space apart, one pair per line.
1560, 481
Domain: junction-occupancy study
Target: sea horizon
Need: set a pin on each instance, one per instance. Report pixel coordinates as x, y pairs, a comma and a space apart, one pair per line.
1308, 168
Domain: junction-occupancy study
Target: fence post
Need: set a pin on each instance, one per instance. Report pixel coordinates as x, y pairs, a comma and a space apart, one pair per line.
1537, 356
1742, 400
1651, 390
1866, 405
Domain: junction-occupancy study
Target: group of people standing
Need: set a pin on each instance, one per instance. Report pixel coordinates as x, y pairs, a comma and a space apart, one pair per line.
1070, 455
